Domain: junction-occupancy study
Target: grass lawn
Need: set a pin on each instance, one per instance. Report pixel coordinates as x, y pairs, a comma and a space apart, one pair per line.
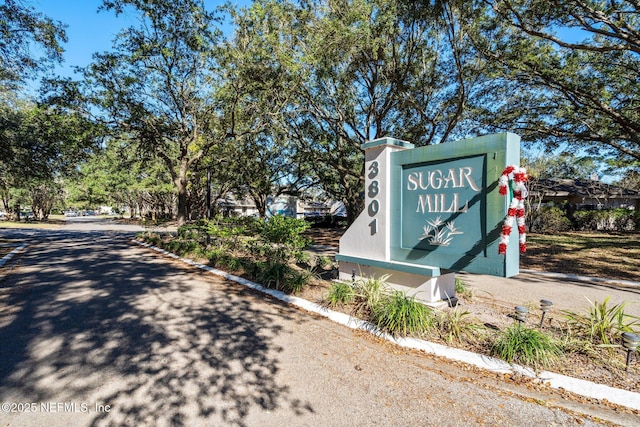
612, 256
48, 225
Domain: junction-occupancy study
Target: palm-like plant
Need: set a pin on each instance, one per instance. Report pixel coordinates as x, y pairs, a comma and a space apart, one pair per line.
603, 324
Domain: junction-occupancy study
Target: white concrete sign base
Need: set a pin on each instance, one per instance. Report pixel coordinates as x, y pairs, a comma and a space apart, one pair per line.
433, 291
364, 247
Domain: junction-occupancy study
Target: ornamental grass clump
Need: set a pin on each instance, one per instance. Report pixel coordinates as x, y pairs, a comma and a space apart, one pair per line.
340, 294
296, 280
603, 324
458, 325
463, 289
401, 315
368, 294
272, 274
531, 347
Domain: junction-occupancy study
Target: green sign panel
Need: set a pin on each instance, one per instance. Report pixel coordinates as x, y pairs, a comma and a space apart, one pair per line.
446, 210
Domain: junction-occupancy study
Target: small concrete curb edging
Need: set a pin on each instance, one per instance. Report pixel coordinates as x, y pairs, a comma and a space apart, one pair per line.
11, 254
580, 387
582, 278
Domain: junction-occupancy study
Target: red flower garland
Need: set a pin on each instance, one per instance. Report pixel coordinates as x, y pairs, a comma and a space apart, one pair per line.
518, 176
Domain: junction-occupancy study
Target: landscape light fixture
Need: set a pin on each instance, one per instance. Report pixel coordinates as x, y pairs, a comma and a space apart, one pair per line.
545, 305
521, 313
630, 342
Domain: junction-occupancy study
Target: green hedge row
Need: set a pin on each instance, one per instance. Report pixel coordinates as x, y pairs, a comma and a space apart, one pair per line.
553, 219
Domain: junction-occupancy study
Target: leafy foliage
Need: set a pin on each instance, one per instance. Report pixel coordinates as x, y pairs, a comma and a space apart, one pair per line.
457, 325
374, 70
567, 71
401, 315
548, 220
603, 324
619, 220
40, 145
531, 347
286, 231
152, 88
273, 274
369, 292
340, 293
22, 27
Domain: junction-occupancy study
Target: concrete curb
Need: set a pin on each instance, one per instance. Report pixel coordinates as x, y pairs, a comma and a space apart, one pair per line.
11, 254
557, 381
582, 278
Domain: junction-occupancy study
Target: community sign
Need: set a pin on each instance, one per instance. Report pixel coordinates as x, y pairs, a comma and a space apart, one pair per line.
435, 209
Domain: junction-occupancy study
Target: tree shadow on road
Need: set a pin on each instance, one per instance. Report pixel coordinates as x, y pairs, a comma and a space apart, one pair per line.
104, 321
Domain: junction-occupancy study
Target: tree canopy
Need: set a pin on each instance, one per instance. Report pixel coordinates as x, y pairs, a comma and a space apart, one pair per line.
287, 97
567, 71
22, 29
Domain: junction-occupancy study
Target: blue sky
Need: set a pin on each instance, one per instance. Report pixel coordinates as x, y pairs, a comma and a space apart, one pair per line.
89, 31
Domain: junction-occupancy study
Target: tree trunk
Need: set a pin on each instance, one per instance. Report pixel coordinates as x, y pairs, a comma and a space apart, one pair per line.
16, 210
181, 186
6, 203
353, 199
353, 207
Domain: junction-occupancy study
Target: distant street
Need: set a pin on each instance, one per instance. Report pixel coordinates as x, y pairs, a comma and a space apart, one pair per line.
95, 330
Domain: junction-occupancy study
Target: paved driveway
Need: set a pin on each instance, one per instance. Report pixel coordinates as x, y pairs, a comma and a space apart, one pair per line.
97, 331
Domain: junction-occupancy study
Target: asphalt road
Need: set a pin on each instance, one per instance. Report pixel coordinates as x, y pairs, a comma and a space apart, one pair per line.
95, 330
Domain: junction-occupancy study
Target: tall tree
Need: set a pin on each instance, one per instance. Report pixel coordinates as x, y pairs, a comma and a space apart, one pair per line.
357, 70
153, 88
120, 176
40, 144
566, 71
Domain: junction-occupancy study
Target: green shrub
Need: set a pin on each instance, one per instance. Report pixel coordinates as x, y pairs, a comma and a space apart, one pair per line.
301, 257
401, 315
232, 263
584, 220
548, 219
151, 238
189, 231
182, 247
272, 274
295, 281
321, 262
602, 324
456, 325
607, 220
531, 347
340, 293
286, 231
249, 225
369, 292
